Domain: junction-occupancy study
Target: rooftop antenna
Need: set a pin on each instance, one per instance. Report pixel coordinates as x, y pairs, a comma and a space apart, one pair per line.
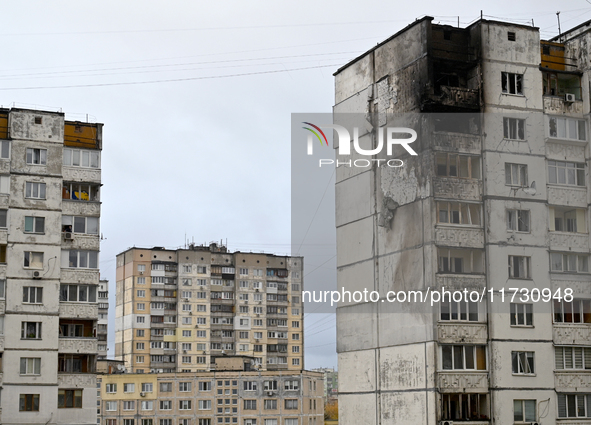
559, 33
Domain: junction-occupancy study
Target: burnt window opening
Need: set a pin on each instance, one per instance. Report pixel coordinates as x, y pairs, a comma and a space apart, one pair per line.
447, 35
545, 50
38, 120
511, 36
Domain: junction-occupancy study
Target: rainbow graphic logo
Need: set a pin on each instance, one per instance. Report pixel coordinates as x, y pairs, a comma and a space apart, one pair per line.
315, 131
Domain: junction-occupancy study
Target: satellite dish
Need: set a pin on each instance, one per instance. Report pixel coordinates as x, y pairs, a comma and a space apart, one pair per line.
531, 190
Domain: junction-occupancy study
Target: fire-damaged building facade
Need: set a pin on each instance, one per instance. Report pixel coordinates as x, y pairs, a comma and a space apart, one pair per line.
495, 202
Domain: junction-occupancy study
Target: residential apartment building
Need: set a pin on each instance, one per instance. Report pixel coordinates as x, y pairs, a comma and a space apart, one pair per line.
212, 397
49, 245
496, 198
330, 381
177, 308
103, 319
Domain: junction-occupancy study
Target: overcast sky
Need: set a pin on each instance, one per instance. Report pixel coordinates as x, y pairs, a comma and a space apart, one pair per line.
203, 148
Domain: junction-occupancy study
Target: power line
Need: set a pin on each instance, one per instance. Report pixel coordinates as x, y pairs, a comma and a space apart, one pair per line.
173, 80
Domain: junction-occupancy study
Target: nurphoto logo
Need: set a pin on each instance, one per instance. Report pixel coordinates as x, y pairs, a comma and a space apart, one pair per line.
344, 139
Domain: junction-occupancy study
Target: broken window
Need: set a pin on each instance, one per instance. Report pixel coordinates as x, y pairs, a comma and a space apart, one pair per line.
460, 260
512, 83
511, 36
514, 128
522, 362
518, 220
564, 219
454, 165
515, 174
458, 213
559, 84
464, 407
519, 267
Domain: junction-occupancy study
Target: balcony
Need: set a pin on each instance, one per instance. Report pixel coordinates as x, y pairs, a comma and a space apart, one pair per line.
79, 174
456, 142
569, 241
556, 105
466, 382
78, 310
81, 208
78, 345
571, 334
473, 333
78, 241
573, 381
455, 281
457, 188
464, 237
571, 196
449, 98
76, 380
86, 276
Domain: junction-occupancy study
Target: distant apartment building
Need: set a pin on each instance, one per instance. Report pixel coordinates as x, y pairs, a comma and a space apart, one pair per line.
178, 308
227, 396
103, 319
50, 180
497, 198
330, 380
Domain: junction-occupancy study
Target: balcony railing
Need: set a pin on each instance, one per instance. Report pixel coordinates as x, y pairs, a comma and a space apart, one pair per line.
466, 382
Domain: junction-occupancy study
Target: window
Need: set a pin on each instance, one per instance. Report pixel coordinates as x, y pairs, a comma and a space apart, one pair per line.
572, 358
204, 404
458, 213
511, 36
460, 261
295, 349
184, 386
464, 407
454, 165
34, 190
204, 386
80, 191
462, 311
36, 156
128, 388
147, 421
147, 387
129, 405
250, 385
32, 295
516, 175
250, 404
574, 405
4, 219
141, 306
567, 128
111, 388
511, 83
186, 333
165, 404
569, 263
141, 280
81, 158
4, 149
514, 128
79, 259
567, 219
78, 293
292, 385
139, 346
111, 406
518, 220
519, 267
82, 225
34, 224
139, 359
463, 357
524, 411
28, 403
140, 319
2, 288
128, 421
291, 403
147, 405
295, 362
522, 362
33, 260
166, 387
566, 173
250, 422
270, 404
30, 366
31, 330
521, 314
165, 422
184, 404
67, 399
575, 311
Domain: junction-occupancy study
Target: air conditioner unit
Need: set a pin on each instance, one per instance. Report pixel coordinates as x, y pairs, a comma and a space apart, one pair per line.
152, 370
68, 235
141, 273
184, 351
269, 393
569, 97
257, 290
142, 394
196, 326
36, 275
446, 423
203, 352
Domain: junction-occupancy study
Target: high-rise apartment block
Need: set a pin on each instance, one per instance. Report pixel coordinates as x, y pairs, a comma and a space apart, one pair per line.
494, 200
177, 308
49, 216
103, 319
